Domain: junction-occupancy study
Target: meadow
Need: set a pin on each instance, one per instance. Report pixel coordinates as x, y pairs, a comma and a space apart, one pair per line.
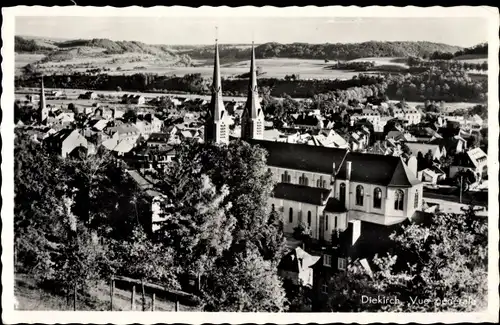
132, 63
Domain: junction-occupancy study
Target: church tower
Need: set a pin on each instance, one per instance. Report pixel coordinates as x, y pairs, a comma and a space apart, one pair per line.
43, 111
252, 120
217, 123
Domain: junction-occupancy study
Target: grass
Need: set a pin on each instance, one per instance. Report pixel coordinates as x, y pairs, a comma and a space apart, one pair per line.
131, 63
29, 296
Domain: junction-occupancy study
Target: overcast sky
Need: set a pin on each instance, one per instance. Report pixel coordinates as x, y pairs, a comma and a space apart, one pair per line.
201, 30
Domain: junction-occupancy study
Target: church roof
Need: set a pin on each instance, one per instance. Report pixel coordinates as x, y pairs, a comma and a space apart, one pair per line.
301, 193
302, 156
375, 169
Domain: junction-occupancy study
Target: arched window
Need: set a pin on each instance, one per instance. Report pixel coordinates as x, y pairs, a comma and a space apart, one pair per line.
360, 194
416, 199
290, 216
321, 182
377, 198
285, 177
303, 180
309, 218
288, 178
326, 221
334, 222
273, 208
399, 199
342, 193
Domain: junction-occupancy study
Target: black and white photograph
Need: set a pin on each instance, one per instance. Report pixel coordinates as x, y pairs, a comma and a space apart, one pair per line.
221, 160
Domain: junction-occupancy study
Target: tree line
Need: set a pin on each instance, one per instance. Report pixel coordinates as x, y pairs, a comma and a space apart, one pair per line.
447, 85
479, 49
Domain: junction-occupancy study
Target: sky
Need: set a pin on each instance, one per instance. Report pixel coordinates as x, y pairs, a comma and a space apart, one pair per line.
458, 31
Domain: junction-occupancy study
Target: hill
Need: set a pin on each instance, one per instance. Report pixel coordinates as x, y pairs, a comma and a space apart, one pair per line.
325, 51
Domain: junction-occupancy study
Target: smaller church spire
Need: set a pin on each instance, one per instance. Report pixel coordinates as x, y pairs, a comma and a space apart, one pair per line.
42, 113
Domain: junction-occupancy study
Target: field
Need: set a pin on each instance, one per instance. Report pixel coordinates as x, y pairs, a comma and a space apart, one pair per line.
30, 297
389, 61
449, 107
472, 58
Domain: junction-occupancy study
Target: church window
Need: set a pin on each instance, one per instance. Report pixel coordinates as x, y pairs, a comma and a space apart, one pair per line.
399, 199
342, 193
309, 218
360, 193
377, 198
290, 215
416, 199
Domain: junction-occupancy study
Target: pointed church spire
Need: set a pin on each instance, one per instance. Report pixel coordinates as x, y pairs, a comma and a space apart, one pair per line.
216, 80
217, 126
252, 120
253, 74
216, 104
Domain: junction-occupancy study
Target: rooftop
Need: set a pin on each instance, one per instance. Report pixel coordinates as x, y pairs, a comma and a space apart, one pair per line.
301, 193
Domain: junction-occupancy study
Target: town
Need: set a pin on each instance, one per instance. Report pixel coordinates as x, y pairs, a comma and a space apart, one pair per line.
253, 202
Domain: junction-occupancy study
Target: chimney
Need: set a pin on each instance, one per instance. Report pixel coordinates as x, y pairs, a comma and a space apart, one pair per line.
348, 170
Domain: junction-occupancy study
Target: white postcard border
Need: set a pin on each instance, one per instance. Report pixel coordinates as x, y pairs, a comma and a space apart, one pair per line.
9, 315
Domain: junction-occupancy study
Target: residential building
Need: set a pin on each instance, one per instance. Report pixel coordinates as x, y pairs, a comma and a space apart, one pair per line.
133, 99
296, 267
88, 95
474, 160
431, 175
65, 142
436, 151
370, 115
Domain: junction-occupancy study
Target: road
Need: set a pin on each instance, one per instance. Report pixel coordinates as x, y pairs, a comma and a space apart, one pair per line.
76, 92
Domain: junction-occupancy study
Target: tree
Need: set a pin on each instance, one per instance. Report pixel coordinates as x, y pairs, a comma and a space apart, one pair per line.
272, 242
196, 223
247, 284
141, 258
440, 266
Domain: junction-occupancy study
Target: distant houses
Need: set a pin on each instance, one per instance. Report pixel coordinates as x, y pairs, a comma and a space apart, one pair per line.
133, 99
88, 95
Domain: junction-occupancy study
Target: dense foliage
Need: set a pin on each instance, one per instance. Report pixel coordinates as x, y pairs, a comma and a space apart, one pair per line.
437, 267
437, 84
80, 220
23, 45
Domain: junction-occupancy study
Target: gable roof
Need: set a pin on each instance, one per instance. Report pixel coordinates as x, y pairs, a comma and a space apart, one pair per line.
416, 147
334, 205
378, 170
301, 193
296, 260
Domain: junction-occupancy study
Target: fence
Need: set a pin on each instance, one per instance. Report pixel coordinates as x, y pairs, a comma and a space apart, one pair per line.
136, 295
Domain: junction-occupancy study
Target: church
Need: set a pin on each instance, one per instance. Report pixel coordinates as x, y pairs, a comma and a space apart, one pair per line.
324, 188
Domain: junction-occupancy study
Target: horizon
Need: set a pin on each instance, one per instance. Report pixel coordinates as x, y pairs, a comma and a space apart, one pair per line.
454, 31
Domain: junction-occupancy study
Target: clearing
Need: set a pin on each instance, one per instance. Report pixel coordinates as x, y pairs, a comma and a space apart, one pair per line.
31, 297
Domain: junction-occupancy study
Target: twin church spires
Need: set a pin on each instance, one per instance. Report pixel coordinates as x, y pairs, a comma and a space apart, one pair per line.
252, 119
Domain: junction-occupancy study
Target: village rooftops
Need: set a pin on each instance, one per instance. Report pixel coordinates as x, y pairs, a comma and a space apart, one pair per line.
159, 137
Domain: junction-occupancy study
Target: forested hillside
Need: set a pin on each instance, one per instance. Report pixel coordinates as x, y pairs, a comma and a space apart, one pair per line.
268, 50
